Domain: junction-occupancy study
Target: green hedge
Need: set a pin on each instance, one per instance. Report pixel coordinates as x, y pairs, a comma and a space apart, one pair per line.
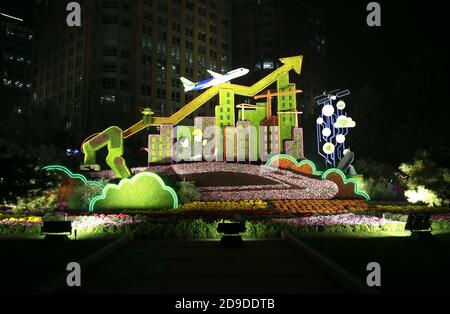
20, 229
202, 229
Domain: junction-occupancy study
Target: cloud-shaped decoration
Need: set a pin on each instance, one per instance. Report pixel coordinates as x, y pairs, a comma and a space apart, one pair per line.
144, 191
348, 188
288, 162
67, 190
73, 176
344, 122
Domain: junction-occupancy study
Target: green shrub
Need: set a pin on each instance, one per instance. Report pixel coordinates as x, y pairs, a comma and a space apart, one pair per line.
19, 229
187, 192
82, 196
381, 189
374, 169
38, 202
440, 225
54, 217
380, 180
185, 229
426, 181
259, 230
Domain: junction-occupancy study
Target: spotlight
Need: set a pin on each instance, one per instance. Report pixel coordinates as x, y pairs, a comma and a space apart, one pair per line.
419, 225
231, 233
57, 230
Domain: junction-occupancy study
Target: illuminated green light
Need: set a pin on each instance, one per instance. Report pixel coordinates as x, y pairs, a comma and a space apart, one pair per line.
145, 190
424, 195
72, 175
341, 105
346, 181
344, 122
328, 148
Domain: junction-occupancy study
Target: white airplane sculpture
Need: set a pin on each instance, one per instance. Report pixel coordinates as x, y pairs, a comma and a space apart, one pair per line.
215, 79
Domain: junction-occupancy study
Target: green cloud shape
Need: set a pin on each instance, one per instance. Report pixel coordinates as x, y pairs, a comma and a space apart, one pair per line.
143, 191
344, 122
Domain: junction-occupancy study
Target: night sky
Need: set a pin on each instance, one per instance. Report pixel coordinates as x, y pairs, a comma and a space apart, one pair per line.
358, 54
362, 55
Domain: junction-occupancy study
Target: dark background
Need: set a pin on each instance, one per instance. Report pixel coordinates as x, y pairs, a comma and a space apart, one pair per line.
359, 54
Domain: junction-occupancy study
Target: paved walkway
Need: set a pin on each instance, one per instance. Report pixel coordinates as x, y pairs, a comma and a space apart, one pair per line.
204, 267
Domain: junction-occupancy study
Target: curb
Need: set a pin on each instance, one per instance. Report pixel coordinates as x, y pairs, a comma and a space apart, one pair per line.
347, 280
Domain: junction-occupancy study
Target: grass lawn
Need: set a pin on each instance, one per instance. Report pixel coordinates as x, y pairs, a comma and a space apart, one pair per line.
28, 263
407, 265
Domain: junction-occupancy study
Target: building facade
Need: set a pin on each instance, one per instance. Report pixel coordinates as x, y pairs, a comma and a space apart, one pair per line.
266, 30
127, 55
16, 65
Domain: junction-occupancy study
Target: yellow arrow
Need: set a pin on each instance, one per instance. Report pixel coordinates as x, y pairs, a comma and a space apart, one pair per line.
291, 63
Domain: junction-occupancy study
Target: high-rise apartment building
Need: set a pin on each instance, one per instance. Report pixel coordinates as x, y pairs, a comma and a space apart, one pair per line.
266, 30
16, 65
127, 55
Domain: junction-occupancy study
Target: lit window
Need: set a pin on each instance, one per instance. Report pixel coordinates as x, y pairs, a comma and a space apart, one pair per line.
107, 99
268, 65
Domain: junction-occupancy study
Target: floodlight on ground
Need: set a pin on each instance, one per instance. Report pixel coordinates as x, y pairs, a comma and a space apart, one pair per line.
231, 233
419, 225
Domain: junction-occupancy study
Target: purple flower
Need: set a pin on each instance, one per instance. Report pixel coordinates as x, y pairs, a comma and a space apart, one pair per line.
343, 219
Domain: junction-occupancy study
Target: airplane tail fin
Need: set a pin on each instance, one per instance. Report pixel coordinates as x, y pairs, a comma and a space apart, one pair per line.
188, 85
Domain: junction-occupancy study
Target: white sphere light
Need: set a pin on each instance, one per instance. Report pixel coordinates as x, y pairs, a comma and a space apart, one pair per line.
326, 132
346, 151
340, 105
328, 148
319, 121
340, 138
328, 110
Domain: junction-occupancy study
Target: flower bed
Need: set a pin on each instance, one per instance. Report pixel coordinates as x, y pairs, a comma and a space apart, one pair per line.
321, 206
100, 223
440, 221
11, 219
286, 184
199, 220
343, 223
409, 208
343, 219
227, 205
10, 224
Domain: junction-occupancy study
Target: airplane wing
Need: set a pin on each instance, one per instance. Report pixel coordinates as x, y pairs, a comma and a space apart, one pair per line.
188, 85
214, 74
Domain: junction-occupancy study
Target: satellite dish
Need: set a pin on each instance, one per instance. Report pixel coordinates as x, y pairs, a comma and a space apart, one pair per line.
346, 161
